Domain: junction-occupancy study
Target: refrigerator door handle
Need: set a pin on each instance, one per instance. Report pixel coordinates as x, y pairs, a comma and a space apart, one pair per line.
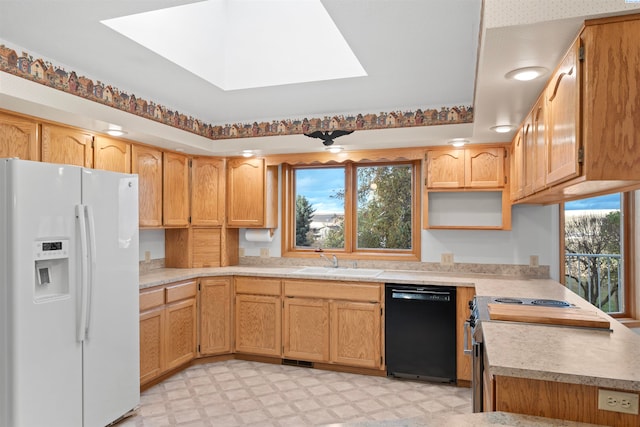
84, 277
92, 264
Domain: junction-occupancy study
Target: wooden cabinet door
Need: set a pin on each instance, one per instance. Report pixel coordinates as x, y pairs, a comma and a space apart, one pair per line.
246, 198
356, 334
112, 155
517, 167
175, 193
19, 138
527, 156
207, 191
180, 337
258, 325
152, 335
563, 112
215, 316
463, 361
538, 164
484, 167
67, 146
445, 169
305, 331
147, 163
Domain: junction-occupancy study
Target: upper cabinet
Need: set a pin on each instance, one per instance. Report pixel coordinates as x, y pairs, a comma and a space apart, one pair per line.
175, 190
481, 167
456, 178
207, 191
19, 138
586, 123
67, 146
563, 112
112, 155
147, 163
252, 194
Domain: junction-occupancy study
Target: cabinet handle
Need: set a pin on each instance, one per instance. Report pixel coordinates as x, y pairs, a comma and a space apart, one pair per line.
467, 329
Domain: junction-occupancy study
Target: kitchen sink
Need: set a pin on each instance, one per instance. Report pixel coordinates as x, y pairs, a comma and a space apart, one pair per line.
328, 271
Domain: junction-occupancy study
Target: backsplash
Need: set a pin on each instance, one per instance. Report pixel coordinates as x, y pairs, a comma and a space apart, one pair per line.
540, 272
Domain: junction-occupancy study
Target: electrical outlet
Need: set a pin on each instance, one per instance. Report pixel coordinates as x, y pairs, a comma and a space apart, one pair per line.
446, 259
147, 256
264, 252
533, 261
618, 401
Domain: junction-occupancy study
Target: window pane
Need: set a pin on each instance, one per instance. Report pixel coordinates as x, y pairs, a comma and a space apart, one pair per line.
319, 208
593, 251
384, 207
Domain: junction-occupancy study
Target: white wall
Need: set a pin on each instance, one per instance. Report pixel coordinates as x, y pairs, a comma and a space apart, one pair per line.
152, 241
534, 232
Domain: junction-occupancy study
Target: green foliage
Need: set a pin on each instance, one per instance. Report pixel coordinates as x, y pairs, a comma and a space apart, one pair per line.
304, 215
384, 207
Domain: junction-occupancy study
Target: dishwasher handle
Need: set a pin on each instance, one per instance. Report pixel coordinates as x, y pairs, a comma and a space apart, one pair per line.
421, 294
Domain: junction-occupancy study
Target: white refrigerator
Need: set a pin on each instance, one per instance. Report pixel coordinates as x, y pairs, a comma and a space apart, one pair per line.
69, 337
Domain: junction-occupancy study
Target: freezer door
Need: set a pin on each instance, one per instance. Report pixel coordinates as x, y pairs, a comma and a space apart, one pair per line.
111, 344
40, 358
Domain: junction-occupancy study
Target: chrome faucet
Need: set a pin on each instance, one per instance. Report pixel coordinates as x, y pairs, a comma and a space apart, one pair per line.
334, 262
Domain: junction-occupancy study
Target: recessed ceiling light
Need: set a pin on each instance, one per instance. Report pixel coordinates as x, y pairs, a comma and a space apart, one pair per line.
458, 142
115, 132
334, 149
247, 153
502, 128
526, 73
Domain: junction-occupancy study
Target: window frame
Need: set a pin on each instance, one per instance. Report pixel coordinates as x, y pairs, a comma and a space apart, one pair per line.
350, 250
627, 207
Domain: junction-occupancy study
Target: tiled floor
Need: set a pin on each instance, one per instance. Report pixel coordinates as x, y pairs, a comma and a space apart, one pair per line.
242, 393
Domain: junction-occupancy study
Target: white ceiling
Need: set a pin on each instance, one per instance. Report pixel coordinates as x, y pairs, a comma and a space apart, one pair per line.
416, 53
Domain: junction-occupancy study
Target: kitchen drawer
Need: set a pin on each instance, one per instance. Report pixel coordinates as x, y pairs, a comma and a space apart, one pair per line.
151, 298
257, 286
368, 292
181, 291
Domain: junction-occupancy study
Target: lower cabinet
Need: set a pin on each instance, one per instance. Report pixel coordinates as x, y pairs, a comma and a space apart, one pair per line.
355, 334
258, 314
167, 328
463, 361
215, 316
333, 322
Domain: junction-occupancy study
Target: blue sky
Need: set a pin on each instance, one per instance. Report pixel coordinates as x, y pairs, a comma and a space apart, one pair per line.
609, 201
318, 185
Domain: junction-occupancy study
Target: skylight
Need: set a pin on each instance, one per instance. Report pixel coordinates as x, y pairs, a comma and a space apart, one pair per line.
242, 44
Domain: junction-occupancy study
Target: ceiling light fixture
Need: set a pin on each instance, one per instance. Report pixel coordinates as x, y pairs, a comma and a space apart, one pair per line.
502, 128
458, 142
526, 73
334, 149
115, 132
247, 153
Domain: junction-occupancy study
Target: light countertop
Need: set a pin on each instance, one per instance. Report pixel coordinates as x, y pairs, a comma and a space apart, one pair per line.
558, 353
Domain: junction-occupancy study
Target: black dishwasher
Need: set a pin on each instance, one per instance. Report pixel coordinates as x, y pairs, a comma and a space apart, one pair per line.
420, 332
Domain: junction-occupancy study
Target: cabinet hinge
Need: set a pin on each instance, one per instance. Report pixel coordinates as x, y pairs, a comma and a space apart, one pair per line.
425, 182
198, 348
189, 220
190, 163
581, 53
93, 140
380, 311
505, 179
580, 154
199, 286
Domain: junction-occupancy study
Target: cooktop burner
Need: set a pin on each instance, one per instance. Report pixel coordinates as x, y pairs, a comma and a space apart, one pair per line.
531, 301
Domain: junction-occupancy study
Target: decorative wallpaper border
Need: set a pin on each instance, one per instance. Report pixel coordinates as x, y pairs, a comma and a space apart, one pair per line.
48, 74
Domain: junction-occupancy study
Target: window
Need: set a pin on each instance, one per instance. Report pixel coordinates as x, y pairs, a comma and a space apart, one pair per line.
353, 208
597, 241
